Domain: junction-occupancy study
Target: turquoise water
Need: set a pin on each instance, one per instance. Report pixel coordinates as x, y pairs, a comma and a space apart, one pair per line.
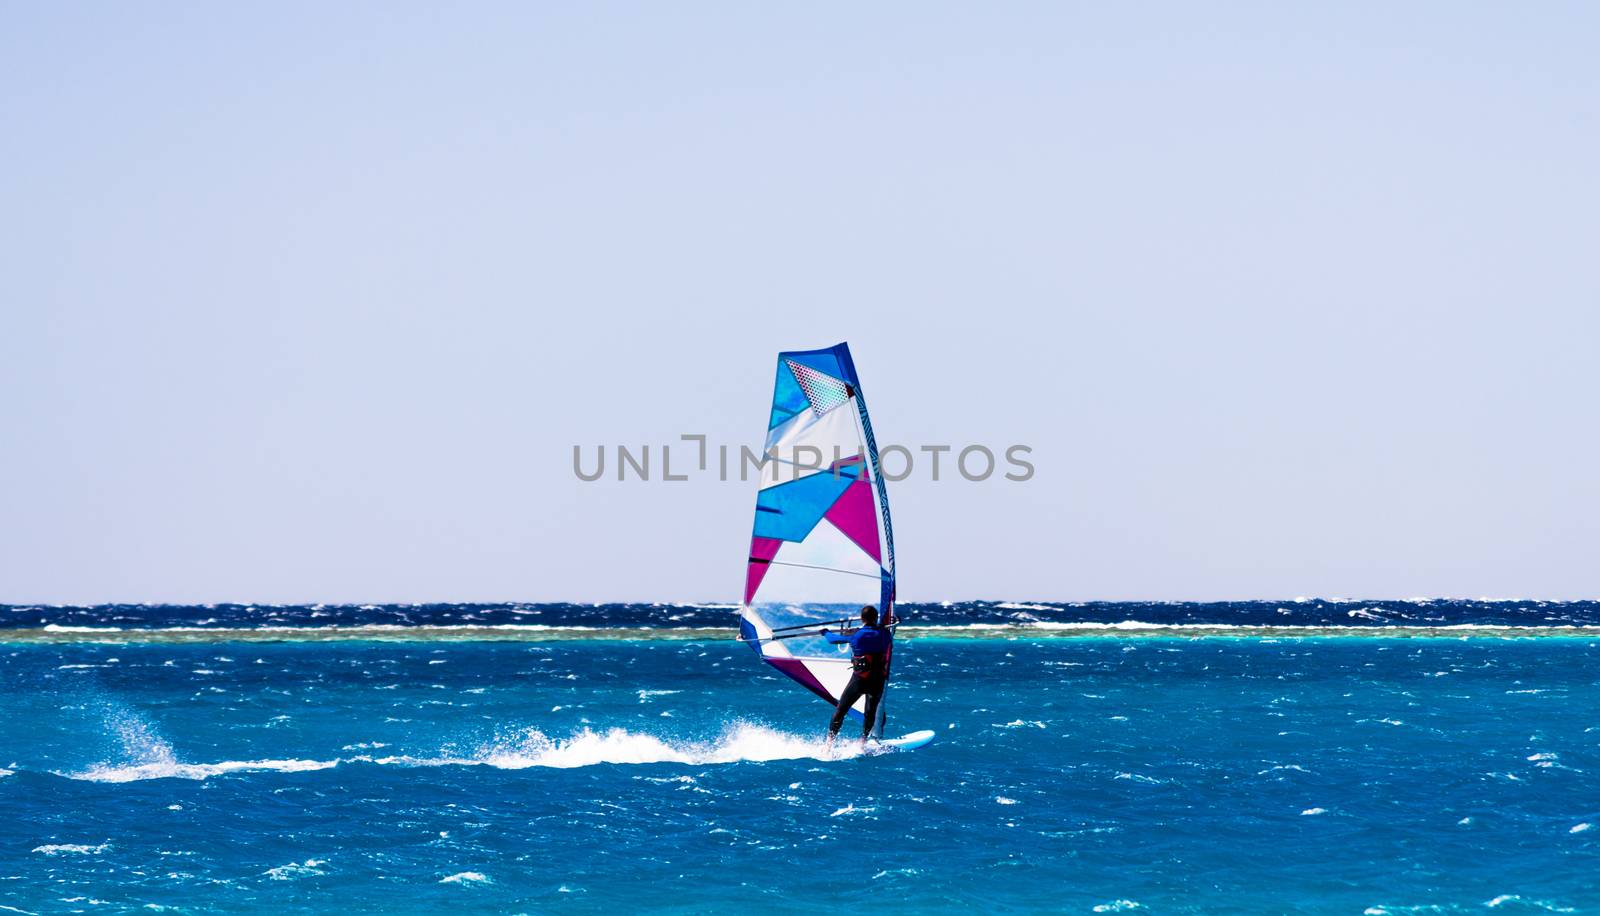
1090, 774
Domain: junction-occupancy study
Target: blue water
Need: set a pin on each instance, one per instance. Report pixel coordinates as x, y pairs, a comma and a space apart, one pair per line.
1300, 612
1096, 773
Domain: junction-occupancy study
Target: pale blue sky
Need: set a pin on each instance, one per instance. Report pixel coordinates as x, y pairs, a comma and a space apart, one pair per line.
310, 301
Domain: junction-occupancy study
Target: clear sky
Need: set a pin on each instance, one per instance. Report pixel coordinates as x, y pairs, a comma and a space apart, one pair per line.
307, 302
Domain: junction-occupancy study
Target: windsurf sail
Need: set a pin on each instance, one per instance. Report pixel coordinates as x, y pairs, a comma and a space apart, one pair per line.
823, 545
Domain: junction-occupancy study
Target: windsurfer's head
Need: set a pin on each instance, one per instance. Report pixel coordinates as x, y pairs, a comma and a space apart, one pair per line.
869, 616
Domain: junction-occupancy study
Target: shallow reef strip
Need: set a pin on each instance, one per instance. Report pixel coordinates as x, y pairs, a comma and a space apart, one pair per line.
541, 634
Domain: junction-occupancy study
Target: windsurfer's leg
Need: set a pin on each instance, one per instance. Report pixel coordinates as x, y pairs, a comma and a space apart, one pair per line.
871, 713
852, 692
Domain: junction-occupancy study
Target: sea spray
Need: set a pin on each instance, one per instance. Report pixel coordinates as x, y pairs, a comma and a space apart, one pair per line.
524, 749
741, 742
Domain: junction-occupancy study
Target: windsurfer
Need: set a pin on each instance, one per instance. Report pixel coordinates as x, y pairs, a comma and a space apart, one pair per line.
870, 646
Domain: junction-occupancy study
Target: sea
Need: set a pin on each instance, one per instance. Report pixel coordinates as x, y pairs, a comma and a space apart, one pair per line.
1302, 756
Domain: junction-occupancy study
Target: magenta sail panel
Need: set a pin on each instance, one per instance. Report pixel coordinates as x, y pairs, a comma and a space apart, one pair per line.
797, 669
855, 515
762, 550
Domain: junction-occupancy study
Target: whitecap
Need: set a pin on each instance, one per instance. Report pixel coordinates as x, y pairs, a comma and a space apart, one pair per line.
742, 742
1295, 767
1136, 777
82, 849
170, 769
852, 809
293, 870
1504, 899
466, 877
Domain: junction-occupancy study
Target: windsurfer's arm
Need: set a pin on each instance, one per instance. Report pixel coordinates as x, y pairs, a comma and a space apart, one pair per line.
835, 638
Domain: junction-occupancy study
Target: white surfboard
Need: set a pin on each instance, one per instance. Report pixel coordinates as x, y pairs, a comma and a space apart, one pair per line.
907, 742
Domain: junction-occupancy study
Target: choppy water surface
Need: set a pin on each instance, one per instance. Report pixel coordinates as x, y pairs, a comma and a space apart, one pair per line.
1091, 774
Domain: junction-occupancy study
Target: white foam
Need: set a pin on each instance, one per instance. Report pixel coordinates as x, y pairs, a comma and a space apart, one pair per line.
1312, 811
741, 743
171, 769
852, 809
1504, 899
1580, 828
466, 877
56, 849
296, 870
1002, 800
1140, 778
1118, 906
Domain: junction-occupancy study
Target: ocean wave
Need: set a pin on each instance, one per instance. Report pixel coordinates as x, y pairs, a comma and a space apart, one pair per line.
540, 633
741, 743
96, 620
306, 869
170, 769
78, 849
1524, 903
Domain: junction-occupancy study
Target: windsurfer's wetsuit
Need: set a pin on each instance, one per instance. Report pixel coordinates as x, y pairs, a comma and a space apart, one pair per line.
869, 661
